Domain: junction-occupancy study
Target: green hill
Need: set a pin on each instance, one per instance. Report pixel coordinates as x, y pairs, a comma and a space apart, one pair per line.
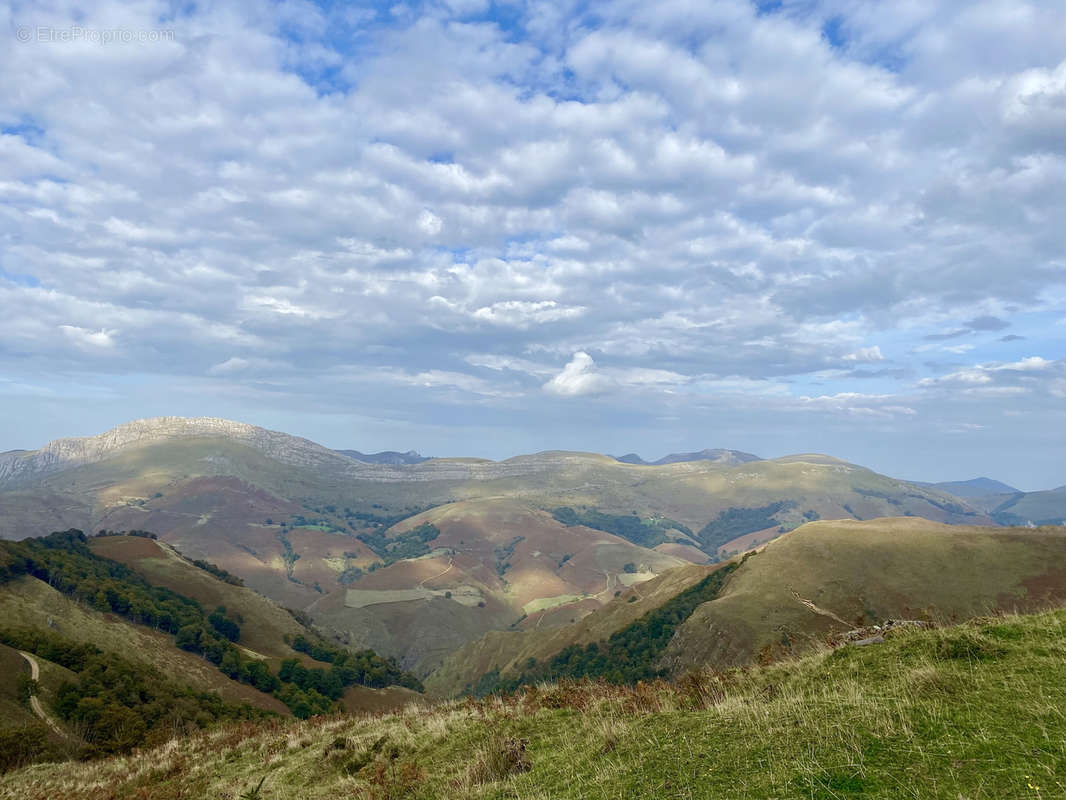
829, 576
970, 711
820, 580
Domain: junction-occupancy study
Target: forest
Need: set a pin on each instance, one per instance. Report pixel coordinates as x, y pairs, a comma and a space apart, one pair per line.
644, 532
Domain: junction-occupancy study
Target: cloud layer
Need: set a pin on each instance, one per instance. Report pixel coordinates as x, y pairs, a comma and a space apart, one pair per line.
483, 228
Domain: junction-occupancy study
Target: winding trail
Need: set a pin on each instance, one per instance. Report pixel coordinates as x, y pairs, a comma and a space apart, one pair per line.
35, 704
451, 563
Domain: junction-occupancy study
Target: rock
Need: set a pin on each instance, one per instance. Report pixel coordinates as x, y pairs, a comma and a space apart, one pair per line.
876, 639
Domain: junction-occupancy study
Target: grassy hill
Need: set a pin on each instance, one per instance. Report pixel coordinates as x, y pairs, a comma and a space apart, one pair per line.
265, 625
971, 711
1037, 508
136, 660
822, 579
829, 576
506, 651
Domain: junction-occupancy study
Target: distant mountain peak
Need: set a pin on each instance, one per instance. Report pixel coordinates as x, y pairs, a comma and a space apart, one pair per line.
717, 455
61, 454
392, 457
973, 488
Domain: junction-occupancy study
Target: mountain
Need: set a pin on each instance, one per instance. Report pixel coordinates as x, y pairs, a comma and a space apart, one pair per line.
1032, 508
386, 457
973, 488
415, 560
717, 455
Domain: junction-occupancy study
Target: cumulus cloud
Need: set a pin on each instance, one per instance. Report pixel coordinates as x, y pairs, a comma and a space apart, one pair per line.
579, 377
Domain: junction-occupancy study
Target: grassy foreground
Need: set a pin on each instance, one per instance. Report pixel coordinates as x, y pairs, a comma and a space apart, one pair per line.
974, 711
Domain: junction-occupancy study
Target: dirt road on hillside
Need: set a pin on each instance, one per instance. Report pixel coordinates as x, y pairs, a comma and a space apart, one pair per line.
35, 704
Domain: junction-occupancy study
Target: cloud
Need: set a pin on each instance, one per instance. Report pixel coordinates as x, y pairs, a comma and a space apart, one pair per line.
579, 377
865, 354
987, 323
89, 339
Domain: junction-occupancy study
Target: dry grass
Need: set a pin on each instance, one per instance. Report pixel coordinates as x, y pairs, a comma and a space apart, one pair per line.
969, 712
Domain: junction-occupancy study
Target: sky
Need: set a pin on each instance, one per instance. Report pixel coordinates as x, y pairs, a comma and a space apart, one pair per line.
474, 228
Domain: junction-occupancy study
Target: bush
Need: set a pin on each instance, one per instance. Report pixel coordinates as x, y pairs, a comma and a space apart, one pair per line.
28, 744
502, 757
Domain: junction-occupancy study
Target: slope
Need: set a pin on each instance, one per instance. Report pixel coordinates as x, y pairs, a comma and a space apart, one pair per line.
829, 576
265, 626
972, 711
489, 564
505, 652
1033, 508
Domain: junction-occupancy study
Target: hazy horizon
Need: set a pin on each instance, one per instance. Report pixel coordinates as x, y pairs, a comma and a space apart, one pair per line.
478, 228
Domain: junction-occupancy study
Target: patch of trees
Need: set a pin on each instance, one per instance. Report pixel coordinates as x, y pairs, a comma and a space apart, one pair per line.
28, 744
350, 575
629, 655
316, 690
115, 704
363, 667
139, 533
65, 562
643, 532
381, 520
223, 575
734, 522
411, 544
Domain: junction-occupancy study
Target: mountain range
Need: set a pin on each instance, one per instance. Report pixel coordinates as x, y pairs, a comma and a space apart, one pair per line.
417, 558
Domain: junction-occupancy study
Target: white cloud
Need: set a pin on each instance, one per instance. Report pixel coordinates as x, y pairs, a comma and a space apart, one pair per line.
865, 355
85, 338
579, 377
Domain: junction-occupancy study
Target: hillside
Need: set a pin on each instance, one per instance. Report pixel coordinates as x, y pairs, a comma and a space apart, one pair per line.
144, 660
820, 580
491, 564
533, 541
973, 489
1032, 508
829, 576
925, 714
265, 625
505, 651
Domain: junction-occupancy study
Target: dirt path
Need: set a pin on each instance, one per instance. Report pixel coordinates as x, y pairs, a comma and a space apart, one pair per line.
35, 704
817, 610
451, 563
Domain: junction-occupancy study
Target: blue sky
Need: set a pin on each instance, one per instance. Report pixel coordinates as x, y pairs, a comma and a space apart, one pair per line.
478, 228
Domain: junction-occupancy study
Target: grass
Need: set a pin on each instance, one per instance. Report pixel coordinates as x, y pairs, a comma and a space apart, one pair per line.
975, 711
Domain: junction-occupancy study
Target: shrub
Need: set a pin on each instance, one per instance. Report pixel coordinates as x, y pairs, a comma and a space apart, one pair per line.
502, 757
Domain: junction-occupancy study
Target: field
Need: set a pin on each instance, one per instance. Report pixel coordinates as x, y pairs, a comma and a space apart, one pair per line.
973, 711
